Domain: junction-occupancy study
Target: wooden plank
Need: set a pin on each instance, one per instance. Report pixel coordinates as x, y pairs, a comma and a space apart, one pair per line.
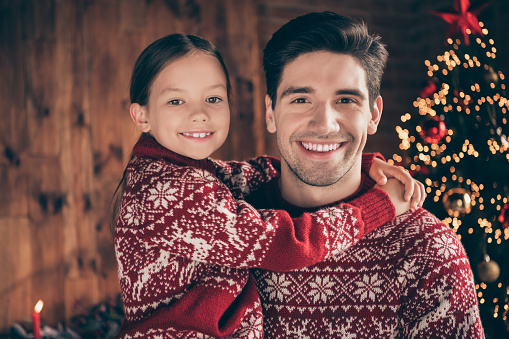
258, 93
242, 53
76, 157
163, 18
43, 124
13, 192
46, 202
133, 16
16, 295
13, 140
106, 85
133, 21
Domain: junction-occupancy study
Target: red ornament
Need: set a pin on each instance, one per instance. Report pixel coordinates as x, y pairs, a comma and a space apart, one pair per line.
504, 216
433, 130
462, 19
428, 89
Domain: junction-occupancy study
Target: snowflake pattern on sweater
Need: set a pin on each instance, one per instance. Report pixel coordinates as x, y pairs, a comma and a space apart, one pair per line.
183, 244
408, 279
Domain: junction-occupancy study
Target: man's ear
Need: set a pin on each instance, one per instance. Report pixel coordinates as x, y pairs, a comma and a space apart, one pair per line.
376, 115
139, 116
269, 115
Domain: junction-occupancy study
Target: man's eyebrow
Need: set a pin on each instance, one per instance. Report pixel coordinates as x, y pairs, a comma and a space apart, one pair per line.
293, 90
353, 92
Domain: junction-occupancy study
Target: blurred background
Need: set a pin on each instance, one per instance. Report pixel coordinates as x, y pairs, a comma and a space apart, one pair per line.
66, 134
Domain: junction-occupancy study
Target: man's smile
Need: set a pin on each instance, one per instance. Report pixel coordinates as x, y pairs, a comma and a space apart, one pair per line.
320, 147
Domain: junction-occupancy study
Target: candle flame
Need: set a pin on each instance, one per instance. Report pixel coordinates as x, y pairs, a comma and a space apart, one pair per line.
38, 306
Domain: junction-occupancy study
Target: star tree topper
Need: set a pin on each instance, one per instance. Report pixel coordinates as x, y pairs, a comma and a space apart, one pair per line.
462, 19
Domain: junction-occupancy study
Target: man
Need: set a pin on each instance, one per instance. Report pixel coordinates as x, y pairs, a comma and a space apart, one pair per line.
409, 278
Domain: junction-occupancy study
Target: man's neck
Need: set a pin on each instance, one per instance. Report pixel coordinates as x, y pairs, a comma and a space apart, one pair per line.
300, 194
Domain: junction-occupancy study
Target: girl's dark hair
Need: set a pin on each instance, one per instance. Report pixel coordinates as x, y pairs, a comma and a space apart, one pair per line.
162, 52
149, 64
324, 31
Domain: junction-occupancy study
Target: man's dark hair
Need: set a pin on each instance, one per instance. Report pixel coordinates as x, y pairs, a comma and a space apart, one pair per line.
324, 31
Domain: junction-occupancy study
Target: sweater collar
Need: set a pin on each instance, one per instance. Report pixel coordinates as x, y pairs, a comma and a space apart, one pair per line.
147, 146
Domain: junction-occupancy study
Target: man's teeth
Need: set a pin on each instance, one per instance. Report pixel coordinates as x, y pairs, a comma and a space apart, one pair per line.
319, 147
197, 135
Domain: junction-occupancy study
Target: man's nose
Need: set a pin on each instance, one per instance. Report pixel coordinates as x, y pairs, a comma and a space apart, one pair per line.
324, 119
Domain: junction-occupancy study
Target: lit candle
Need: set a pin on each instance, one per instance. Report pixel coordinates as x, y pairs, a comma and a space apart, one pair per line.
37, 320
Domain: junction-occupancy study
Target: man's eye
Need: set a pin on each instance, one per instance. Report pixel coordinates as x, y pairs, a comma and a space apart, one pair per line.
175, 102
299, 101
345, 100
213, 100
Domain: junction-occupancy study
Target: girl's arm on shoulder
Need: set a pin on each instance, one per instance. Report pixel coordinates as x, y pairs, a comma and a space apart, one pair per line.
190, 213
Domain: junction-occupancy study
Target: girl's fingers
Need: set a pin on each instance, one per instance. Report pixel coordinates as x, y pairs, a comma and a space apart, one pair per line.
410, 190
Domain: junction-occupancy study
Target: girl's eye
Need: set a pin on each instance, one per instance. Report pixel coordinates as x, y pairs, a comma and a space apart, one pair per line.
299, 101
175, 102
213, 100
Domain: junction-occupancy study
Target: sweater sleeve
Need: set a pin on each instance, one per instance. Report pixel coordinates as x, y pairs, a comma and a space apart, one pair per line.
367, 160
243, 177
440, 300
376, 208
190, 213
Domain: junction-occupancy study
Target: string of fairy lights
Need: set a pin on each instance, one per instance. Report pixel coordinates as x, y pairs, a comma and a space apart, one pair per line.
437, 142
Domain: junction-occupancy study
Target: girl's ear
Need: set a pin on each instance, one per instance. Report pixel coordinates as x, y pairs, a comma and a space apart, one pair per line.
139, 116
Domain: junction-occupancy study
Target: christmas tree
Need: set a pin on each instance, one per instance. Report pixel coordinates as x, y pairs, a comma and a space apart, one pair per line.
455, 142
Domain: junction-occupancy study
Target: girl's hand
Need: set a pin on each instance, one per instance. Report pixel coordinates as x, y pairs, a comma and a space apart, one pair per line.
380, 171
395, 190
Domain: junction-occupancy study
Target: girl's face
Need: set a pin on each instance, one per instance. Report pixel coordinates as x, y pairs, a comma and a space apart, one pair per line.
188, 110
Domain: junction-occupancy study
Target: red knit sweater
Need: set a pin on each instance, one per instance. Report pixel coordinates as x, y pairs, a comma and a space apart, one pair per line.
183, 243
408, 279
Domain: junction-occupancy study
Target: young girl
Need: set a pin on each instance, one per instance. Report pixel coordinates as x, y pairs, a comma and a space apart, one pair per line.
184, 237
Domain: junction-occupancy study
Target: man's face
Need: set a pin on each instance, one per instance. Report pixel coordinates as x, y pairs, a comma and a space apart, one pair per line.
322, 117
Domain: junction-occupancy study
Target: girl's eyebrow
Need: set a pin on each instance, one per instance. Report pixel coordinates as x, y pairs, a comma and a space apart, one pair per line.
176, 89
171, 89
217, 86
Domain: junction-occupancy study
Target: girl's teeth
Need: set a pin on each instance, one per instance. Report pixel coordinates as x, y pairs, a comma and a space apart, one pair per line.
197, 135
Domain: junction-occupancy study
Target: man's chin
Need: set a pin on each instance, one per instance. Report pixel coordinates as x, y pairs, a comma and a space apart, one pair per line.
318, 177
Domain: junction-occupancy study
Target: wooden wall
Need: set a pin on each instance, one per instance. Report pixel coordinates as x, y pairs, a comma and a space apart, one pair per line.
65, 132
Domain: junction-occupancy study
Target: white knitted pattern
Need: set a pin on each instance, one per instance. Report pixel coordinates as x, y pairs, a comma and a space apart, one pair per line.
410, 279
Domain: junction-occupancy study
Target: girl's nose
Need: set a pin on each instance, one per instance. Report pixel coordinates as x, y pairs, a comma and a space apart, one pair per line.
199, 115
